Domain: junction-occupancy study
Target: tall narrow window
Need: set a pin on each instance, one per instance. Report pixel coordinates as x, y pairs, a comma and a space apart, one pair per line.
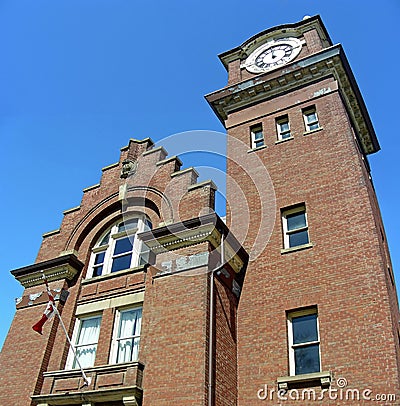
257, 136
310, 119
127, 335
304, 345
283, 128
99, 257
119, 248
86, 342
295, 227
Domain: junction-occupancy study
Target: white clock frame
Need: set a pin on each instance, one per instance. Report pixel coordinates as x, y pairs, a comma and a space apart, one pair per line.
250, 62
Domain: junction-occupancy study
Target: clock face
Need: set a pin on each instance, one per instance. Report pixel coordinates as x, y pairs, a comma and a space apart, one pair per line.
272, 55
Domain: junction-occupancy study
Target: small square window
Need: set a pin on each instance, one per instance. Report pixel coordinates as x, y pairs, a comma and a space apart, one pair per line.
304, 345
257, 136
283, 128
295, 227
311, 119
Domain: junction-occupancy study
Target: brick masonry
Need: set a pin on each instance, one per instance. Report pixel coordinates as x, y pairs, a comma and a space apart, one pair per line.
346, 272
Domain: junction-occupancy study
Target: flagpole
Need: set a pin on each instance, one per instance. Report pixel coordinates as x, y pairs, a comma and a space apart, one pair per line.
53, 305
85, 378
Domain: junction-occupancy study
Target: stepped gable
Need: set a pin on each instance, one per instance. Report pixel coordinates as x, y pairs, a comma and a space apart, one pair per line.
144, 179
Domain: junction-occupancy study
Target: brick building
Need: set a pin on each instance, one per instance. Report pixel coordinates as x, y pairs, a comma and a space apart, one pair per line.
167, 304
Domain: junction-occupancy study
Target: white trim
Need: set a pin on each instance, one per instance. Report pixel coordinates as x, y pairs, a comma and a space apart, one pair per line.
75, 335
254, 129
115, 338
290, 316
278, 122
286, 233
293, 42
115, 235
306, 112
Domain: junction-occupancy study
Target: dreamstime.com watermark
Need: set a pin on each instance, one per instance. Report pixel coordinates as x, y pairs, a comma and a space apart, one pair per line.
342, 393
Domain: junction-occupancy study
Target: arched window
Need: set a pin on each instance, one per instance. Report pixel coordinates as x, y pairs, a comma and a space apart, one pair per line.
119, 248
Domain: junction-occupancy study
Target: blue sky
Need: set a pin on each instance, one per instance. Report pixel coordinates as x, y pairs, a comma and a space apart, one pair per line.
79, 78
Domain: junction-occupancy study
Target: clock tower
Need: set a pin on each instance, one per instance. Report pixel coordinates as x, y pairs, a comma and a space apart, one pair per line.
319, 308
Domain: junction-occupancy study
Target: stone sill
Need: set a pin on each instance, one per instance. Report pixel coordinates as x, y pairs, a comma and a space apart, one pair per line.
313, 131
111, 275
324, 378
257, 149
284, 140
297, 248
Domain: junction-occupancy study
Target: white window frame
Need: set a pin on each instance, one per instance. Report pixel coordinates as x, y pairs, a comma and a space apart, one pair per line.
308, 124
286, 232
283, 134
114, 346
290, 316
254, 130
75, 337
139, 252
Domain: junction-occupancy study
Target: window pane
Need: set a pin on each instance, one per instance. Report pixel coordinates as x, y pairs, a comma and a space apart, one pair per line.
147, 225
86, 356
89, 331
313, 126
87, 342
259, 144
97, 270
296, 220
307, 359
284, 127
130, 323
99, 259
129, 329
144, 257
305, 329
128, 225
285, 135
311, 117
105, 239
258, 135
298, 238
123, 262
123, 245
128, 350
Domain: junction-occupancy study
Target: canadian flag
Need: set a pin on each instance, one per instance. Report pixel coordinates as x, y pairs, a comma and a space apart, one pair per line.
49, 311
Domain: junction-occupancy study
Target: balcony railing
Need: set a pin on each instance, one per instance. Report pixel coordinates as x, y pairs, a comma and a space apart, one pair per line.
109, 383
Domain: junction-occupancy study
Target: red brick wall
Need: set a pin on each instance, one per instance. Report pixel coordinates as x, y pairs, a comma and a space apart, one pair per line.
343, 273
22, 358
175, 340
225, 345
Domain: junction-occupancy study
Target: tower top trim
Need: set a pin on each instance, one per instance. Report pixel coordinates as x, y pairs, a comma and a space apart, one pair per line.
295, 29
329, 62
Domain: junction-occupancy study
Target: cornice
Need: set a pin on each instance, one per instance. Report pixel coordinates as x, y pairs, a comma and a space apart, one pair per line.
63, 267
331, 61
208, 228
135, 141
295, 29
